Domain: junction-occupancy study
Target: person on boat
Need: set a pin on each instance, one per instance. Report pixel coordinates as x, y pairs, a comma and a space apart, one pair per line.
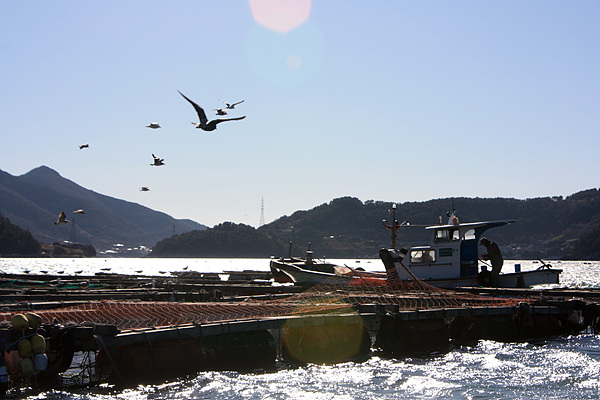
495, 257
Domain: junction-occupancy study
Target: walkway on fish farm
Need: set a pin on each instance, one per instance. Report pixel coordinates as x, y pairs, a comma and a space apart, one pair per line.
131, 341
320, 299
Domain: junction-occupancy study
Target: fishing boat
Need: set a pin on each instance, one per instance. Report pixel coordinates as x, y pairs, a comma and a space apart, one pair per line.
310, 271
452, 258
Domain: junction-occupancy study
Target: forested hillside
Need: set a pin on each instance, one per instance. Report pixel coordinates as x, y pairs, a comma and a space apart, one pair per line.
550, 227
17, 241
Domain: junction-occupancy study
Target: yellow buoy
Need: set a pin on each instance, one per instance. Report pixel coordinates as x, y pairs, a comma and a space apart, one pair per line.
25, 348
26, 366
34, 320
38, 344
20, 321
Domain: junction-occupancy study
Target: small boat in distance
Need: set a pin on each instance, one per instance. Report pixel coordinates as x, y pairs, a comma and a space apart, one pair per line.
451, 259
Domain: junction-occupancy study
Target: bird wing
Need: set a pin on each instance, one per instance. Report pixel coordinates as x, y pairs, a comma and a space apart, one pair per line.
62, 216
239, 102
219, 120
199, 110
212, 125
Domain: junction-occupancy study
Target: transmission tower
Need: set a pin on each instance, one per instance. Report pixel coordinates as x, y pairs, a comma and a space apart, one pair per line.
262, 212
72, 236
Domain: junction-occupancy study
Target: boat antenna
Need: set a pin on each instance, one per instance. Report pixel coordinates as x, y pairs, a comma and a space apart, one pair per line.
452, 219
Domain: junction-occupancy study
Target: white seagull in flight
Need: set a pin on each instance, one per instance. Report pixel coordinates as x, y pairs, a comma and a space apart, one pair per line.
205, 124
62, 219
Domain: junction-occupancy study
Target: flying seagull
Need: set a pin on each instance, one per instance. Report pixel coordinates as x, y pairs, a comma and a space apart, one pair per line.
84, 146
144, 188
220, 111
80, 211
205, 124
153, 125
157, 161
231, 106
62, 219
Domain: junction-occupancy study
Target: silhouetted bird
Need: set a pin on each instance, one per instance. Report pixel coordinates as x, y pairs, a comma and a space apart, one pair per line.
84, 146
231, 106
157, 161
144, 188
153, 125
62, 219
220, 111
205, 124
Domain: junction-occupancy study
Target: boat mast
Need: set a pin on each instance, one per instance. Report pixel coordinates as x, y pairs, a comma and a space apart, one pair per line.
394, 226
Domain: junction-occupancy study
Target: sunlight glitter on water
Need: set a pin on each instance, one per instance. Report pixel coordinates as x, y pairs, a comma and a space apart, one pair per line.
576, 274
559, 368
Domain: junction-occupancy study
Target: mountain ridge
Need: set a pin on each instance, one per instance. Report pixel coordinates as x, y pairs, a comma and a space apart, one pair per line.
34, 199
345, 227
550, 227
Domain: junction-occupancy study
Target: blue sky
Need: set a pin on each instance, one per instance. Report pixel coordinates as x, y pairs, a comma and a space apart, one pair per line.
380, 100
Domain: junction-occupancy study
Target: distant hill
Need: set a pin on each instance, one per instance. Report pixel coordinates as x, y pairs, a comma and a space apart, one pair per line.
17, 241
32, 201
550, 227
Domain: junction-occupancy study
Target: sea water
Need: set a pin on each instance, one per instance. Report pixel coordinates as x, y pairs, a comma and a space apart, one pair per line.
555, 368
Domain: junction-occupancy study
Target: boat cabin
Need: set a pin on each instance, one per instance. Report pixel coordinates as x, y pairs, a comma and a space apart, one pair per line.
453, 251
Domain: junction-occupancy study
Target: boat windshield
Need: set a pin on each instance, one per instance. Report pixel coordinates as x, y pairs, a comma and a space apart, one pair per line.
442, 235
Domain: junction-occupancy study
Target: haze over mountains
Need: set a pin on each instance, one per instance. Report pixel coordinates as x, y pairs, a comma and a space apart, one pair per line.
34, 200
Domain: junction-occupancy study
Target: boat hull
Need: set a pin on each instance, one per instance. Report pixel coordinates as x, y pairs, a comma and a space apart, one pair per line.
302, 276
512, 280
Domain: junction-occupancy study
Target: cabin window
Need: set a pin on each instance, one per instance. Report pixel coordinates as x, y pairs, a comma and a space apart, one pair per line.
442, 234
422, 256
469, 235
446, 234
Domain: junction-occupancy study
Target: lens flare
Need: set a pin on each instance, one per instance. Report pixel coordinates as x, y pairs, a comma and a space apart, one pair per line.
280, 15
327, 340
286, 60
